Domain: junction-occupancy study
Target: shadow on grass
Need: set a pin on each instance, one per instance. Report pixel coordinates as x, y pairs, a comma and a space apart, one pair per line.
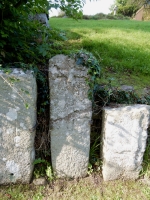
125, 25
120, 57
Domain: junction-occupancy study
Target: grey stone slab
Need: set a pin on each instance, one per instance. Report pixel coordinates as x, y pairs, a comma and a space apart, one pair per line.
18, 95
41, 17
127, 88
70, 116
124, 141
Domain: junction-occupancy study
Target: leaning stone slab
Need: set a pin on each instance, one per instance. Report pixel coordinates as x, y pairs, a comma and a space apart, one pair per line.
70, 116
124, 141
17, 120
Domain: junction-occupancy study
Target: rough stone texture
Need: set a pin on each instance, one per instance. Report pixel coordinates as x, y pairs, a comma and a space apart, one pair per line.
145, 180
40, 181
124, 141
41, 17
127, 88
70, 111
17, 132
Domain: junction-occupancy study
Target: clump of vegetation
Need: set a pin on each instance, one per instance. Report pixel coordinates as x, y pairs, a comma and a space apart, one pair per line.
43, 169
102, 16
127, 10
87, 59
126, 7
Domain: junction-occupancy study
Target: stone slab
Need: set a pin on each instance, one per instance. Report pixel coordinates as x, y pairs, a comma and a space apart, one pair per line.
124, 141
18, 95
70, 116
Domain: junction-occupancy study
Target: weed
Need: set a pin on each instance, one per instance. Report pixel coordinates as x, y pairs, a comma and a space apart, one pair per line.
90, 169
43, 168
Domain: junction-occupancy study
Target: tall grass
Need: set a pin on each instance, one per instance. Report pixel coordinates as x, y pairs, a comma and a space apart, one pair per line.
122, 45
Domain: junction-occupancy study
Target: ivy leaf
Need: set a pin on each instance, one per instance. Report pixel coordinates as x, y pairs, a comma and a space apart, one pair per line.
79, 61
38, 161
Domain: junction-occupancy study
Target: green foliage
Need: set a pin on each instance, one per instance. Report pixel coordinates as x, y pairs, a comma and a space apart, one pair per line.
127, 7
95, 162
87, 59
104, 95
90, 169
100, 16
43, 168
31, 44
121, 2
26, 41
127, 10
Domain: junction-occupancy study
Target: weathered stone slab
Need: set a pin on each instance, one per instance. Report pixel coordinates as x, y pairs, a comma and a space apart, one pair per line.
124, 141
41, 17
17, 120
70, 115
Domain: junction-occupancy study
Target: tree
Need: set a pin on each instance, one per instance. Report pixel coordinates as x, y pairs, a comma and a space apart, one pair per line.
121, 2
127, 7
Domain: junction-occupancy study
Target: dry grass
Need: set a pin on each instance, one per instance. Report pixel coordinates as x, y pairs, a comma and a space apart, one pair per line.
89, 188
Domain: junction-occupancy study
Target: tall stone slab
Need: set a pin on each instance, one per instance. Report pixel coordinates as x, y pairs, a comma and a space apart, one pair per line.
17, 125
70, 116
124, 141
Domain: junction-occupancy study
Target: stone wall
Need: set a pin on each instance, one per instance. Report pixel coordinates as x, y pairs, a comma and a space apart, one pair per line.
17, 120
124, 128
70, 116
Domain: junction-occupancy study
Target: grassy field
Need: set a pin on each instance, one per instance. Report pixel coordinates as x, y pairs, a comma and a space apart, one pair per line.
121, 46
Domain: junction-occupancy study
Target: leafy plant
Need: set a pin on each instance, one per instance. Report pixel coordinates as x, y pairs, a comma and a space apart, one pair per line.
90, 169
127, 10
43, 168
104, 95
87, 59
49, 173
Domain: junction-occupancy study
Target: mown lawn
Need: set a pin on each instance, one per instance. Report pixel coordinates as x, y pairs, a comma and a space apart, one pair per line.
121, 46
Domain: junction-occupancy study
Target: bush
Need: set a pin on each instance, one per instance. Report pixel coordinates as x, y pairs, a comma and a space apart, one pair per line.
100, 16
26, 41
21, 39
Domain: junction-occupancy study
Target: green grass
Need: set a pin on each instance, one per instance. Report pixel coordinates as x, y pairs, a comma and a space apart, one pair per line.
89, 188
121, 46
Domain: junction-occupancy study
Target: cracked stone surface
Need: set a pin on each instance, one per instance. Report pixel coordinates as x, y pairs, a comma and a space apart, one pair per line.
125, 131
70, 116
17, 118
